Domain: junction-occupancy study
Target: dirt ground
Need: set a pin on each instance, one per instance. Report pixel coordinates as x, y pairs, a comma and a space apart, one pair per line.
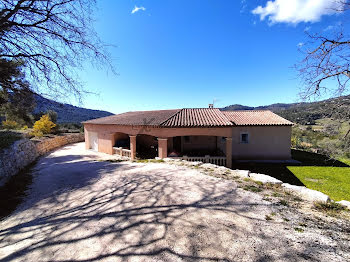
82, 208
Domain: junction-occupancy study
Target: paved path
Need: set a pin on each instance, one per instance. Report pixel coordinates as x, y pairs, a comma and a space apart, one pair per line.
80, 208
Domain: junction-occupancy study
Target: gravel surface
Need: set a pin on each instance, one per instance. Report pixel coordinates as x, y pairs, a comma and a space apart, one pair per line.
82, 208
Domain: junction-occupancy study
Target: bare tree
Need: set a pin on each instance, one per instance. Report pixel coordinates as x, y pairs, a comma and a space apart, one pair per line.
327, 57
53, 38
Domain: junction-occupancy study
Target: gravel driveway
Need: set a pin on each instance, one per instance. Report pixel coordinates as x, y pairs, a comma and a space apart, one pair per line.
80, 208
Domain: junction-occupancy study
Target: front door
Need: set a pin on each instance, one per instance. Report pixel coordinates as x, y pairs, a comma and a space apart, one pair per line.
93, 138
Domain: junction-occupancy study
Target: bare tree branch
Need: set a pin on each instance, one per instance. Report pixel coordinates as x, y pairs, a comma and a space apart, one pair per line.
54, 38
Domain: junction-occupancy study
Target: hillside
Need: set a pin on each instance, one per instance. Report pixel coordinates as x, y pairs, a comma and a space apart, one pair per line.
306, 113
67, 113
322, 126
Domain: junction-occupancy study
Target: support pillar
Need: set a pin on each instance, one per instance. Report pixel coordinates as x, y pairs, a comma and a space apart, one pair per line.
229, 152
133, 147
87, 140
162, 147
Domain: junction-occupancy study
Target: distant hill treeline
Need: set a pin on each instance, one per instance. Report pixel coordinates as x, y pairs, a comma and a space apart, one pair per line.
306, 113
67, 113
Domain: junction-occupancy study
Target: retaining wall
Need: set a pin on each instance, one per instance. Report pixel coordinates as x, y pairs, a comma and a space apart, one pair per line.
25, 151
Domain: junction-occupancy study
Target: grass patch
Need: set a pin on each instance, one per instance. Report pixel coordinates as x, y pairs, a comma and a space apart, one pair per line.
345, 161
258, 183
252, 188
156, 161
329, 206
333, 181
298, 229
7, 138
149, 161
112, 160
276, 194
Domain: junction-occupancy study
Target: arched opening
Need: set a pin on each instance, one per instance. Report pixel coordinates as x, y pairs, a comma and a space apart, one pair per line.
146, 146
197, 146
121, 140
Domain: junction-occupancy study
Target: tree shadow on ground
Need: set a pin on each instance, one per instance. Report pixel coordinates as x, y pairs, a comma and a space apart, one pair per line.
87, 210
14, 191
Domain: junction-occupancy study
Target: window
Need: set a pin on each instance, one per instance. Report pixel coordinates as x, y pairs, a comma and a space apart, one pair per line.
244, 138
187, 139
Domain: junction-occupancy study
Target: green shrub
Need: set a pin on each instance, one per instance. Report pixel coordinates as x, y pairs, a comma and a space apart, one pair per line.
7, 138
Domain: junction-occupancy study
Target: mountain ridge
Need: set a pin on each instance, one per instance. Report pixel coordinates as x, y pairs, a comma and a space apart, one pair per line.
305, 112
67, 113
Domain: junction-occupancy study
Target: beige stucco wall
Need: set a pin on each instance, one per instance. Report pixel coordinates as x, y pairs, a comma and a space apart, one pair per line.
105, 142
159, 132
265, 142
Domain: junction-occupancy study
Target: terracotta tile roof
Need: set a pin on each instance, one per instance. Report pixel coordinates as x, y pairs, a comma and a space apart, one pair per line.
142, 118
197, 117
193, 117
255, 117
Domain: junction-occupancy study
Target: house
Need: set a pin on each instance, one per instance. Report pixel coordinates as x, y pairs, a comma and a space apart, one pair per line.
192, 133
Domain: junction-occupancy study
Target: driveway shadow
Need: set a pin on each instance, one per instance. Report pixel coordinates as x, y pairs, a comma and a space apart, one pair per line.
80, 209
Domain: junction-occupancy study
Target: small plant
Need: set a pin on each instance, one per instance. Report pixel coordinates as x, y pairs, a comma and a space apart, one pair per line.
258, 183
43, 126
298, 199
329, 206
302, 224
267, 217
298, 229
283, 202
275, 194
24, 127
9, 124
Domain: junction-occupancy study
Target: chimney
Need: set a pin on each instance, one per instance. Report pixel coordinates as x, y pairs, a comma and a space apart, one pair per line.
211, 105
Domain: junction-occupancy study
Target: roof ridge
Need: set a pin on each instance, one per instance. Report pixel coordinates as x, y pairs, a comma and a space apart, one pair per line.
178, 111
250, 110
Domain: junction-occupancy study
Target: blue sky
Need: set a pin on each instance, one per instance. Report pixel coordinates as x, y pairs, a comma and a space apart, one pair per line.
181, 53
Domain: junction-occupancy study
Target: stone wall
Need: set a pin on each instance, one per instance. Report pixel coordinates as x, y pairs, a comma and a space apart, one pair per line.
25, 151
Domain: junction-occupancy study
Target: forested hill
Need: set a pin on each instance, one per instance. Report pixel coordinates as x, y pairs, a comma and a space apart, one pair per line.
67, 113
306, 113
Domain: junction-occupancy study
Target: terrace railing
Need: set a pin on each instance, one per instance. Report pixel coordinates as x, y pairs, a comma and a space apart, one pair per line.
122, 152
216, 160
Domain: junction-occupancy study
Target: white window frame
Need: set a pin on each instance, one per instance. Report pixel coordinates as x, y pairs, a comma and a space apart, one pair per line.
240, 138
